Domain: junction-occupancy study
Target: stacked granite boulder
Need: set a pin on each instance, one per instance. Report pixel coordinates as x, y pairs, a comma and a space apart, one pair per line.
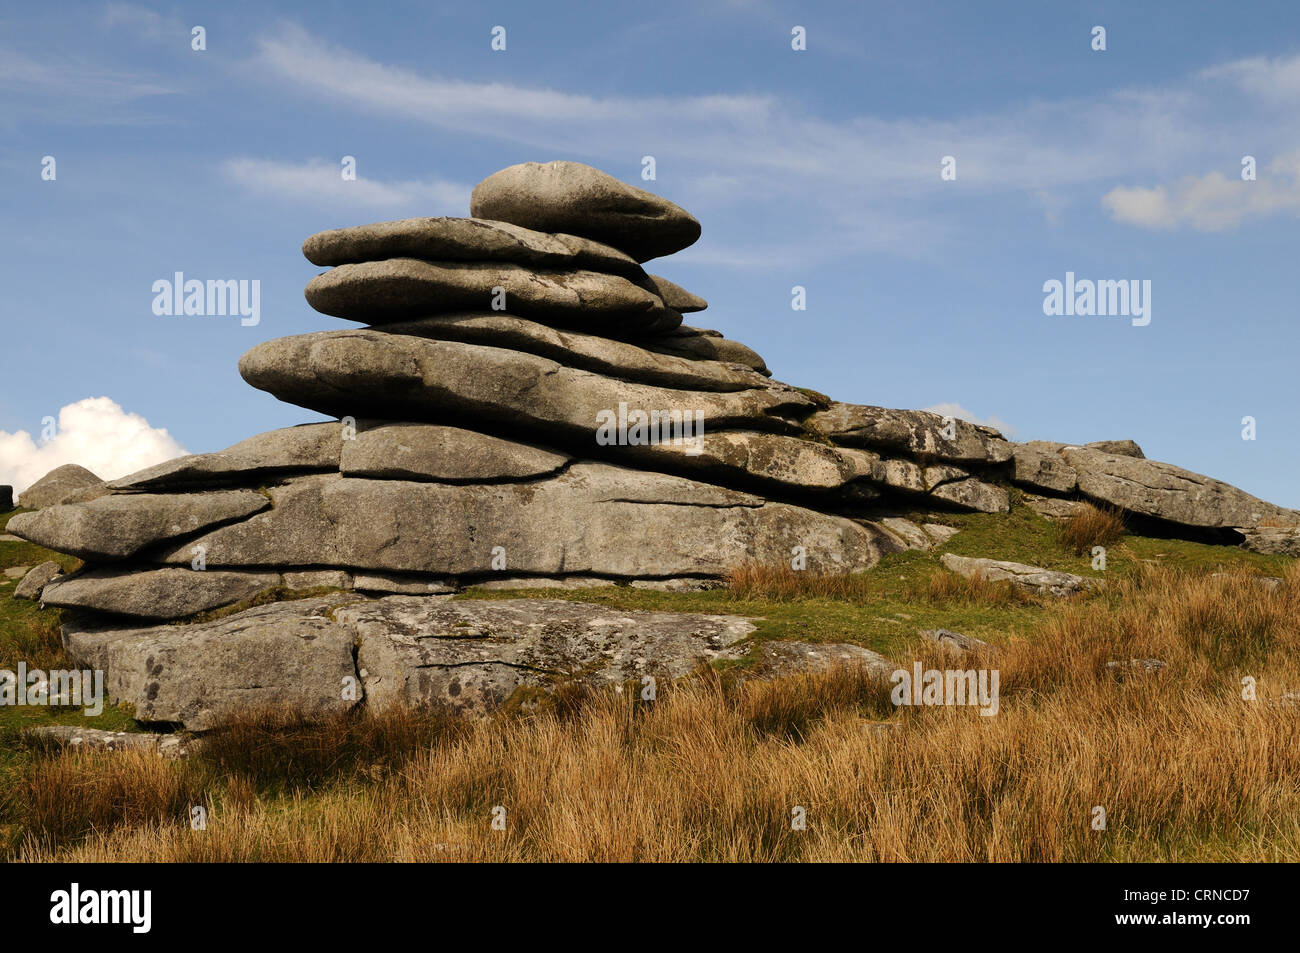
468, 445
524, 406
66, 484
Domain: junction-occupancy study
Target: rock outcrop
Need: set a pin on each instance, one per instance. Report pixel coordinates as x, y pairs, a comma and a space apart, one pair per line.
522, 404
37, 578
1033, 579
327, 653
57, 485
1116, 474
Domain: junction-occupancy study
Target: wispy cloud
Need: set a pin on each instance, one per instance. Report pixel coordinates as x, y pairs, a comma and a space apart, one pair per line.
347, 77
1275, 79
1031, 146
853, 184
70, 89
320, 181
74, 79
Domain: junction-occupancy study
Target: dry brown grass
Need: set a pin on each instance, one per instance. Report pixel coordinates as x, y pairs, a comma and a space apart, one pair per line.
273, 750
68, 795
950, 588
1091, 526
781, 583
1185, 768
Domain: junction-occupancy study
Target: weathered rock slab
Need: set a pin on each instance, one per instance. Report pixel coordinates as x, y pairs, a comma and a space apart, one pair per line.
589, 352
916, 432
703, 344
404, 288
593, 519
939, 532
36, 580
910, 534
469, 655
288, 654
465, 239
1053, 508
303, 448
406, 451
954, 641
170, 593
366, 373
473, 654
98, 739
1123, 448
1042, 469
1030, 578
57, 484
673, 296
1165, 491
574, 198
115, 527
1272, 540
914, 535
974, 494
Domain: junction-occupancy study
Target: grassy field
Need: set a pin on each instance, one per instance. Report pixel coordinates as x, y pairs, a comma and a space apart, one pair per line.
1182, 765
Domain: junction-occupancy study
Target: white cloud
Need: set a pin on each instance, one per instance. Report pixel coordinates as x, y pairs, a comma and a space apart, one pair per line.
95, 433
1212, 202
321, 181
951, 409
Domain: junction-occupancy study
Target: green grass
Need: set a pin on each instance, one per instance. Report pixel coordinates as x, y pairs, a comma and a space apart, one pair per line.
885, 620
888, 618
30, 634
1025, 537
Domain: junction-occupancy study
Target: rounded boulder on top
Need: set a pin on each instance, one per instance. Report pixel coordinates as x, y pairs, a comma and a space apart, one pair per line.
579, 200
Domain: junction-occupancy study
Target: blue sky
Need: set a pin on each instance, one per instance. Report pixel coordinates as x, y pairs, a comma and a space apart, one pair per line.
817, 168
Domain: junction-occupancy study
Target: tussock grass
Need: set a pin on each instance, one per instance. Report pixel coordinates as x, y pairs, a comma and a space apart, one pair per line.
32, 636
1184, 767
790, 708
279, 749
68, 795
780, 582
1091, 526
950, 588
